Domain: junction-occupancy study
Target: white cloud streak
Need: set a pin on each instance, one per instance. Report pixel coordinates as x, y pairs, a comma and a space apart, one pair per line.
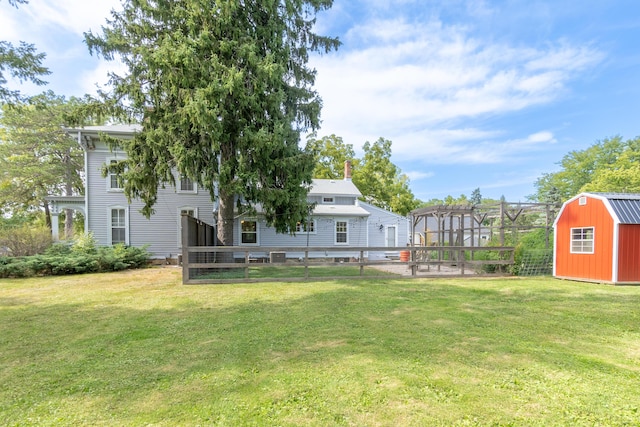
420, 86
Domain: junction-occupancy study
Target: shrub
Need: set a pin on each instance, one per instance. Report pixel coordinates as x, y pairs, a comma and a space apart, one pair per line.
25, 239
61, 259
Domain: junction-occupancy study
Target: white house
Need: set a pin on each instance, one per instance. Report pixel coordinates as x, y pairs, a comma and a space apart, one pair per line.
339, 219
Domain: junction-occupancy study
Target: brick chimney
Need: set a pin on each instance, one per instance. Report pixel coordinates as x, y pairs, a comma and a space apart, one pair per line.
347, 170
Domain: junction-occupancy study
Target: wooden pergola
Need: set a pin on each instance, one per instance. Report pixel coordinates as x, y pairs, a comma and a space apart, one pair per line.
456, 222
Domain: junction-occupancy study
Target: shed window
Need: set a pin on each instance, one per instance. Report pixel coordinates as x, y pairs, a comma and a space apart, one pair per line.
582, 240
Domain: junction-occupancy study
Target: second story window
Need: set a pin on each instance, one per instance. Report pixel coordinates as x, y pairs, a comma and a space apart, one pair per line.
327, 199
113, 179
249, 232
186, 185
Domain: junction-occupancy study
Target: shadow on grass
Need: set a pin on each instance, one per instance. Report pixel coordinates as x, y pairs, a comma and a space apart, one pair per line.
331, 354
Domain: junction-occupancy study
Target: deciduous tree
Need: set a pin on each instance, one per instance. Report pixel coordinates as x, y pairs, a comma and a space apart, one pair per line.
223, 91
330, 154
579, 168
37, 157
381, 182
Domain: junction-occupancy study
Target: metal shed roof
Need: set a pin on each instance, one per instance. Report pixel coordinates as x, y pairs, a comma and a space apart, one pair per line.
625, 206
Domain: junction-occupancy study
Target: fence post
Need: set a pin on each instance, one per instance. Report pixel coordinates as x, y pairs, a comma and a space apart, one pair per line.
361, 263
246, 264
184, 224
306, 265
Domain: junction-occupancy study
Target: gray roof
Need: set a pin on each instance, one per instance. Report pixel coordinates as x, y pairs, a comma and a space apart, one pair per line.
334, 187
115, 129
626, 206
340, 210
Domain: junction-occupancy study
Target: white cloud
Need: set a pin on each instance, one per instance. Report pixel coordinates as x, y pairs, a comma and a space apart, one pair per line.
77, 16
418, 84
418, 175
97, 77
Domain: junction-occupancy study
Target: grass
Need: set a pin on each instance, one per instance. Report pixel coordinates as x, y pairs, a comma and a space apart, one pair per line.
288, 271
139, 348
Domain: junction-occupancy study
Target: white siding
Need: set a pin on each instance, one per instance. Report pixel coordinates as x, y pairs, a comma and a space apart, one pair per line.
160, 231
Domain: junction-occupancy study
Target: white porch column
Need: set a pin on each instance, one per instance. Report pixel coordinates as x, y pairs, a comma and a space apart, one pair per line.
54, 226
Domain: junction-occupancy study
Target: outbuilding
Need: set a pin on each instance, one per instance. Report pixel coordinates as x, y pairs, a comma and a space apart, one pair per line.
597, 238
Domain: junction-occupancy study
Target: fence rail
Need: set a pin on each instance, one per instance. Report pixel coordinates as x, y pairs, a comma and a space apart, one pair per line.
230, 264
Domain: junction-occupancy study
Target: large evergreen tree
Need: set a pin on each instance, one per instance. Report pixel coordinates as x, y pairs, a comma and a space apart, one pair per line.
223, 91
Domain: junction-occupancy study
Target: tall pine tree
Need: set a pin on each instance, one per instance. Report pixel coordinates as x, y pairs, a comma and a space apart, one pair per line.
223, 91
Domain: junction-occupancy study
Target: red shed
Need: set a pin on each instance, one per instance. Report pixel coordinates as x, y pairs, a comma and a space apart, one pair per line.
597, 238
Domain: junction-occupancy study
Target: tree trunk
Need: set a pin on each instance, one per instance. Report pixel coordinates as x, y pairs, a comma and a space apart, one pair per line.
68, 213
225, 218
47, 215
68, 224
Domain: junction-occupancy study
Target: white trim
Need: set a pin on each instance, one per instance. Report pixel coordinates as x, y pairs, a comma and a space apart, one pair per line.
335, 232
300, 230
555, 251
328, 200
180, 209
179, 189
111, 189
386, 235
615, 241
110, 224
593, 240
257, 243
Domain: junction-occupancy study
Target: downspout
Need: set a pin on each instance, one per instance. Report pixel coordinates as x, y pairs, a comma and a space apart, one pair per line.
86, 184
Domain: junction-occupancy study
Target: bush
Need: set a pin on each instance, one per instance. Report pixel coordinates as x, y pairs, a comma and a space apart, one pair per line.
62, 259
25, 239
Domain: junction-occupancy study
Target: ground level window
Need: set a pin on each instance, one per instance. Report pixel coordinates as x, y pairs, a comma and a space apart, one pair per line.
306, 227
118, 226
249, 232
341, 231
582, 240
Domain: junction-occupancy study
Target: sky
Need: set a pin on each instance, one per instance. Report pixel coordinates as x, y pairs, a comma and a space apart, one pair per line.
472, 93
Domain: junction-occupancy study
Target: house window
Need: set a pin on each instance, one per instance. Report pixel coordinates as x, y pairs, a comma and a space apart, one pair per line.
186, 185
341, 232
306, 227
113, 179
582, 240
184, 210
328, 199
249, 232
118, 226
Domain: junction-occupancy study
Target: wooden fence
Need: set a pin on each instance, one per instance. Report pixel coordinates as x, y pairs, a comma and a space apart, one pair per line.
230, 264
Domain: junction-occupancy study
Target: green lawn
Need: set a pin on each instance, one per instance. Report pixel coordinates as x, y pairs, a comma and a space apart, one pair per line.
139, 348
